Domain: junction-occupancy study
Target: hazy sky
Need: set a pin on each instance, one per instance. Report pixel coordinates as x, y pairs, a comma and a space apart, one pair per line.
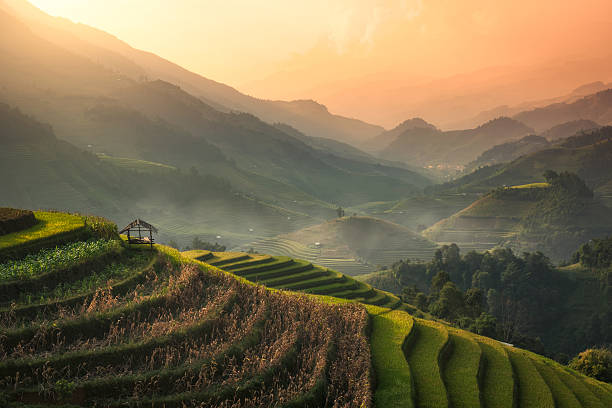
283, 48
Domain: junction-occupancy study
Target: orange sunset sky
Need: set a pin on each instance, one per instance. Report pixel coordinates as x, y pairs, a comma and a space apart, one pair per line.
344, 52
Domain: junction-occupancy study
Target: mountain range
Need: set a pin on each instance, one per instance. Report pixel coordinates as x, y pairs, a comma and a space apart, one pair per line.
108, 51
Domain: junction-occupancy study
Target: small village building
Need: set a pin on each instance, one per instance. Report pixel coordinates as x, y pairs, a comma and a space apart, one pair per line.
139, 232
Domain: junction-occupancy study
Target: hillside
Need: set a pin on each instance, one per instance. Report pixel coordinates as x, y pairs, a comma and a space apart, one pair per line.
589, 155
187, 335
509, 151
506, 152
570, 128
50, 173
523, 106
353, 245
532, 217
596, 107
309, 117
195, 335
115, 114
417, 212
433, 147
378, 142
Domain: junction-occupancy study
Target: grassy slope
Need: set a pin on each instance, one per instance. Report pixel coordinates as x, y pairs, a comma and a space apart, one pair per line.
50, 223
461, 370
492, 221
395, 386
470, 369
427, 364
110, 390
423, 355
287, 273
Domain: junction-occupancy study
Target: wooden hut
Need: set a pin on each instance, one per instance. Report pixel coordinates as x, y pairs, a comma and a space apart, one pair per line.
142, 229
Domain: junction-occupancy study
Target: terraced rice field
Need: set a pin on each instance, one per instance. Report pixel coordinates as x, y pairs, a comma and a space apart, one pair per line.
155, 329
283, 272
448, 367
349, 266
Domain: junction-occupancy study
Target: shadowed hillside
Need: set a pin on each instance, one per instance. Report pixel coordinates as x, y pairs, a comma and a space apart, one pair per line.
50, 173
596, 107
310, 117
430, 146
553, 217
116, 114
352, 245
587, 154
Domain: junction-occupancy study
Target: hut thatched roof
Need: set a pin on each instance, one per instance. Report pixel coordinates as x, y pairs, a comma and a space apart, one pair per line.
138, 223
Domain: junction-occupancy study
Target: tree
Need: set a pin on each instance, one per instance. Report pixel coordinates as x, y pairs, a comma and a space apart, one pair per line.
197, 243
450, 303
438, 281
421, 301
594, 362
485, 325
474, 299
340, 212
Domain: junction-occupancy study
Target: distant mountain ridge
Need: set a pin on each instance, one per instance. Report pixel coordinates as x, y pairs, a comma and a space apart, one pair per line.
431, 146
309, 117
506, 152
595, 107
505, 110
587, 154
86, 103
382, 140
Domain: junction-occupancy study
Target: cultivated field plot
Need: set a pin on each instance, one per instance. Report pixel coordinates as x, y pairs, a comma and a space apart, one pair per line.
283, 272
448, 367
346, 254
97, 324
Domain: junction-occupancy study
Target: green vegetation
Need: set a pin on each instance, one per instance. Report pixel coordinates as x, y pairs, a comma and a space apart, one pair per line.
597, 253
51, 260
394, 383
552, 217
108, 276
50, 225
425, 352
186, 332
523, 300
498, 382
532, 389
461, 370
596, 363
287, 273
532, 185
564, 397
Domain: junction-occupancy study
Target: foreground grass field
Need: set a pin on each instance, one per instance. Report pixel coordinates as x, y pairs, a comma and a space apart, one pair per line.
50, 224
390, 328
117, 326
149, 327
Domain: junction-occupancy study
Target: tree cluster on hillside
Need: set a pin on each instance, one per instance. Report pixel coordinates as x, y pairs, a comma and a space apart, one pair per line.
594, 362
517, 299
198, 243
597, 253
